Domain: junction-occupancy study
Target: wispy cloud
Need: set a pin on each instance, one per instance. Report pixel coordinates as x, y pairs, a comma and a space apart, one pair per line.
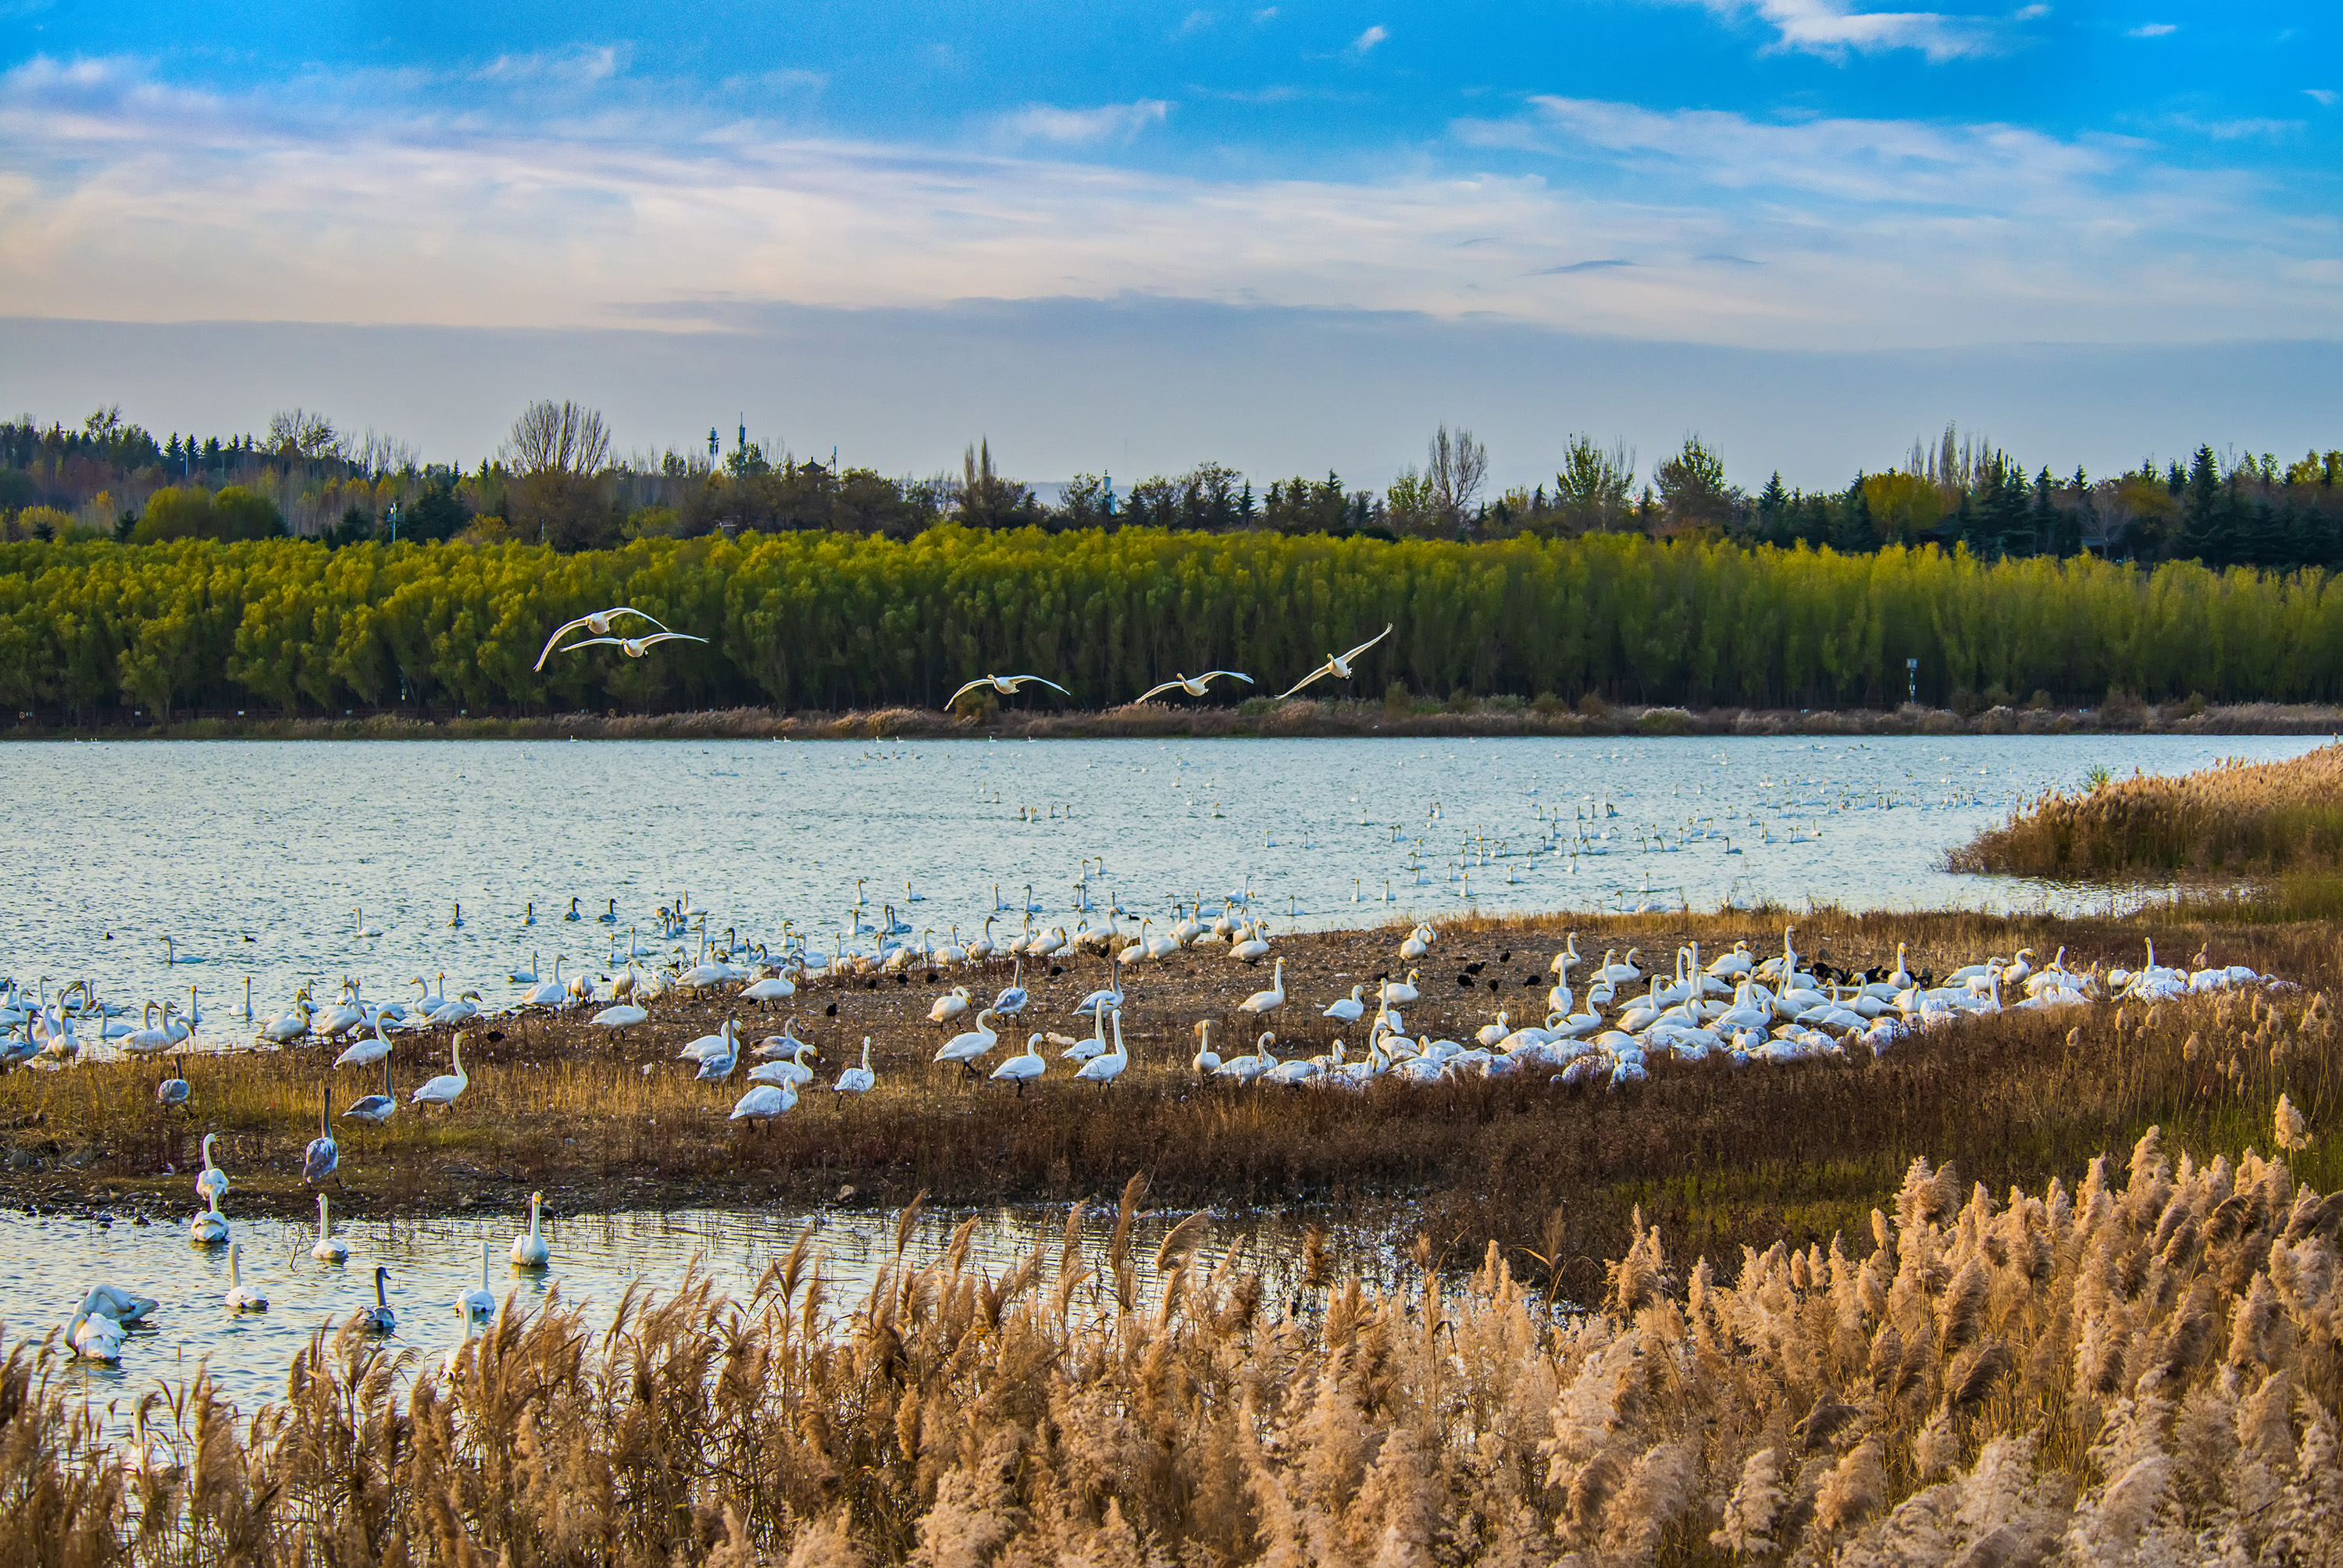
1365, 42
1085, 127
2323, 97
2153, 30
372, 201
1195, 22
1835, 28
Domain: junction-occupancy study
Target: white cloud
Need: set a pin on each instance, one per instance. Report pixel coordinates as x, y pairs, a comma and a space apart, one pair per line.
1366, 41
1193, 23
121, 199
1834, 29
1084, 127
2324, 96
2154, 30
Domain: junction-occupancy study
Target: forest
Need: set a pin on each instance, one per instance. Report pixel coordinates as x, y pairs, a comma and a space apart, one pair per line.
556, 481
99, 631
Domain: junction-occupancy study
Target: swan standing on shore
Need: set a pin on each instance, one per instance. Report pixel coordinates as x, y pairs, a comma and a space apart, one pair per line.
1107, 1067
1028, 1064
323, 1156
965, 1049
764, 1102
444, 1089
857, 1079
1267, 1001
376, 1108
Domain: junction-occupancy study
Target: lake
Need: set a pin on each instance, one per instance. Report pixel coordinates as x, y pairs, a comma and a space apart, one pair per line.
266, 861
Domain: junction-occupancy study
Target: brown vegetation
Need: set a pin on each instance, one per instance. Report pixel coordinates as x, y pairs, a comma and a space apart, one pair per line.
1721, 1157
1255, 719
2239, 818
2144, 1369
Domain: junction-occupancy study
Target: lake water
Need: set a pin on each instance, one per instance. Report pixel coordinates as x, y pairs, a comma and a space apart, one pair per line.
48, 1262
265, 860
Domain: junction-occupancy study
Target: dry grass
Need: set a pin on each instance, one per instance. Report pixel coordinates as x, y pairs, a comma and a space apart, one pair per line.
2143, 1369
2244, 819
1720, 1157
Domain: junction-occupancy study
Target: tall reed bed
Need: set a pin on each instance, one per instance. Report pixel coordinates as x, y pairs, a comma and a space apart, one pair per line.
2245, 817
2143, 1368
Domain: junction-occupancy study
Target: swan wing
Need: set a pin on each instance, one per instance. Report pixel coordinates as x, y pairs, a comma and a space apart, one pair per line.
1234, 674
965, 690
1050, 684
629, 609
1154, 690
1366, 645
559, 633
1320, 673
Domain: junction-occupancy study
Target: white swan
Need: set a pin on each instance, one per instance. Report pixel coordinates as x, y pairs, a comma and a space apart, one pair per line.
476, 1307
1400, 993
1246, 1068
599, 623
1349, 1009
551, 992
965, 1049
124, 1307
764, 1102
528, 1249
328, 1248
951, 1005
1006, 685
1107, 1067
241, 1297
211, 1181
792, 1071
1193, 685
1337, 665
365, 1050
1206, 1061
770, 990
621, 1017
209, 1227
1026, 1065
857, 1079
1262, 1002
443, 1089
92, 1336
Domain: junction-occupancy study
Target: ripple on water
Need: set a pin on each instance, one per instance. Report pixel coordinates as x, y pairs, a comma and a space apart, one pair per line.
48, 1262
268, 859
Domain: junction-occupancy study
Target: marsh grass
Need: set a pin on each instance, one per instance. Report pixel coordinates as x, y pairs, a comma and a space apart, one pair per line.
1719, 1158
2141, 1368
2259, 819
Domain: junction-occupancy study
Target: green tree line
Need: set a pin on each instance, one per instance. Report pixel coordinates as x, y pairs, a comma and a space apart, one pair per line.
827, 620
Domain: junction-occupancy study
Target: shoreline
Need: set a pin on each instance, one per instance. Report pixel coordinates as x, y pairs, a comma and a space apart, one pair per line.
1721, 1155
1260, 718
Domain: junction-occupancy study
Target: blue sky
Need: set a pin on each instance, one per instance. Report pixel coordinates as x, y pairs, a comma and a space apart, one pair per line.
1709, 179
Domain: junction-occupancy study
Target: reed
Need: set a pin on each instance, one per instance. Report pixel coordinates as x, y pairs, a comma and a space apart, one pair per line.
1721, 1159
2257, 818
2141, 1368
